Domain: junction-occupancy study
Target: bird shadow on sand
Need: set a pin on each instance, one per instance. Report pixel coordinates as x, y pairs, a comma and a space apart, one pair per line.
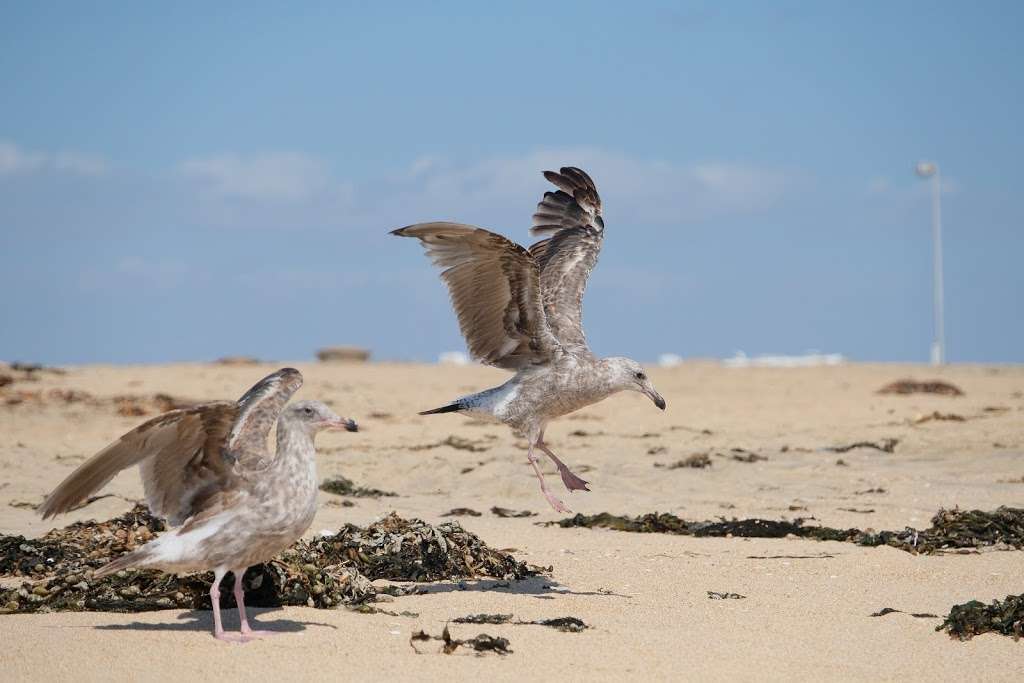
539, 587
202, 620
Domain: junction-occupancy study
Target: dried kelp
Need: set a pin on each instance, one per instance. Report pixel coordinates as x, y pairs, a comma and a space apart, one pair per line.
484, 619
323, 572
884, 445
937, 416
412, 550
462, 512
892, 610
343, 486
951, 529
715, 595
974, 618
82, 545
567, 624
696, 461
743, 455
128, 405
480, 644
505, 512
912, 386
458, 442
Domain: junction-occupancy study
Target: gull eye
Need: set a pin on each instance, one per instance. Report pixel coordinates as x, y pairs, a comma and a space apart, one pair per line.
307, 410
640, 376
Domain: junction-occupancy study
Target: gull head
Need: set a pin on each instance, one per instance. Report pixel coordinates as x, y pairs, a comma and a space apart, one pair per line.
628, 375
314, 416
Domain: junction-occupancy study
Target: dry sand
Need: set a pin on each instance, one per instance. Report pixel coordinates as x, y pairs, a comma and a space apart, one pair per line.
645, 596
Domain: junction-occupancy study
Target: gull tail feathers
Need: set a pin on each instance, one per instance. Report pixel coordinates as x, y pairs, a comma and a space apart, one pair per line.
450, 408
136, 558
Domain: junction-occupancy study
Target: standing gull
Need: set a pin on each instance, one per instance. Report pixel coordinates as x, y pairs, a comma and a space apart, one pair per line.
207, 470
521, 309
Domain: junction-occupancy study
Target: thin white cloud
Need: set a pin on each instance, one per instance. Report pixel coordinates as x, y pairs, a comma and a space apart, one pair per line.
640, 189
80, 164
285, 176
16, 160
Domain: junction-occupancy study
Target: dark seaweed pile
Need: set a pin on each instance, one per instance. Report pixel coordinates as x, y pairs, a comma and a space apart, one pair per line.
951, 529
324, 572
974, 618
343, 486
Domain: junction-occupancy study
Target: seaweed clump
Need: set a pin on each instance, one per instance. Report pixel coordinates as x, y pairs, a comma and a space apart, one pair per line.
951, 529
974, 618
343, 486
323, 572
566, 624
412, 550
480, 644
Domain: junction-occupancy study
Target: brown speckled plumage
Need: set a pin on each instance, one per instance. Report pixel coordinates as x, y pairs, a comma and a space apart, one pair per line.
207, 469
522, 309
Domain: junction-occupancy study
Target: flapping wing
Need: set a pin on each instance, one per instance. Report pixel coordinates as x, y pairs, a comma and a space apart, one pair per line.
572, 218
494, 287
258, 410
181, 458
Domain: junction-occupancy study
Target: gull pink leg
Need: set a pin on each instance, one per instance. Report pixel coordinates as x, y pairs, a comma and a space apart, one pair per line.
569, 478
558, 505
218, 627
246, 632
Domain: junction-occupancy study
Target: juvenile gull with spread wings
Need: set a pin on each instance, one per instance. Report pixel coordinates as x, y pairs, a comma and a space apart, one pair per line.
207, 470
521, 309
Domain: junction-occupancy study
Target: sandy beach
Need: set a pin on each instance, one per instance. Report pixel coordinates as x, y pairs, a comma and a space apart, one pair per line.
806, 608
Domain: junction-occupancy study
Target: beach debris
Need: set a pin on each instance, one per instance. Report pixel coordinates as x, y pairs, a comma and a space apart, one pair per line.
819, 556
480, 644
458, 442
323, 572
842, 463
127, 405
884, 445
912, 386
343, 486
743, 455
343, 354
974, 618
714, 595
937, 416
697, 460
583, 432
951, 529
367, 608
657, 450
875, 489
505, 512
868, 511
891, 610
462, 512
238, 360
484, 619
695, 430
566, 624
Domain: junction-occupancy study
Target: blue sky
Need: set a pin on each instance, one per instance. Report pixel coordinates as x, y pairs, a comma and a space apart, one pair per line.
187, 182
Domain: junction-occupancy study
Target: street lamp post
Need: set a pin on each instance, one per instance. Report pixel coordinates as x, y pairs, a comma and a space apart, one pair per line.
929, 169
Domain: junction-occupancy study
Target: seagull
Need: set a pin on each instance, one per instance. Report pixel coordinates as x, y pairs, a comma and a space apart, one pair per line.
521, 309
207, 470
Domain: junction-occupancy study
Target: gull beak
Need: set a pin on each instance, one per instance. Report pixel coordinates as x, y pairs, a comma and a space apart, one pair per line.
344, 423
656, 397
